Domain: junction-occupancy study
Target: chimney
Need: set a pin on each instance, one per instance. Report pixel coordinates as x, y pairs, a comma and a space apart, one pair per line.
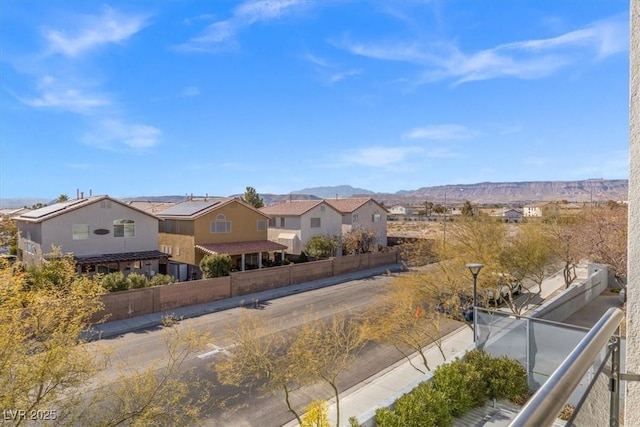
90, 192
82, 194
77, 193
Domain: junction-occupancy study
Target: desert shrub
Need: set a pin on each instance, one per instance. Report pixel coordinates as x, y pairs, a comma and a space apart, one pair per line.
160, 279
216, 265
424, 406
507, 379
114, 282
136, 281
463, 386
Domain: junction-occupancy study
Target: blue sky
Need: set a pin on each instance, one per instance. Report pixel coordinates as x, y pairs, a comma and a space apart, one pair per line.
152, 98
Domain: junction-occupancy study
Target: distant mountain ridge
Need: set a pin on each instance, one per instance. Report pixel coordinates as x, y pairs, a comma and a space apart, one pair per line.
493, 192
485, 192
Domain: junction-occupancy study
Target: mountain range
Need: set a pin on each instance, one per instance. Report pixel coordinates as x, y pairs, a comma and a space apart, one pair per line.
510, 193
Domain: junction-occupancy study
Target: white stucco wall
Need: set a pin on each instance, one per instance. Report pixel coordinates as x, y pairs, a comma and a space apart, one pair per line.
365, 214
58, 231
632, 411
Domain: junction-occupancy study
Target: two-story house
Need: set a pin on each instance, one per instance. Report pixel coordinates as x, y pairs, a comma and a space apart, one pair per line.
195, 228
103, 234
363, 213
293, 223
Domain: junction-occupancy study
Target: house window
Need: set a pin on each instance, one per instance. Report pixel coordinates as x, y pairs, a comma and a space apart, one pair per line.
221, 225
322, 207
354, 218
272, 222
375, 217
80, 231
105, 204
315, 222
282, 222
124, 228
262, 225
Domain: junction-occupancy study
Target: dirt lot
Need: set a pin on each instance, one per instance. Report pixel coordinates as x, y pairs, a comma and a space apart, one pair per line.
417, 229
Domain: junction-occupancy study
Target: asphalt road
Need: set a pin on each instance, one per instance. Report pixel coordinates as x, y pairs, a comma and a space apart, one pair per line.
229, 406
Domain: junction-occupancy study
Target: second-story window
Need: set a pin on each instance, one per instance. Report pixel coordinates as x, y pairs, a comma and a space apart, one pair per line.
124, 228
262, 225
221, 225
354, 218
80, 231
272, 222
376, 217
315, 223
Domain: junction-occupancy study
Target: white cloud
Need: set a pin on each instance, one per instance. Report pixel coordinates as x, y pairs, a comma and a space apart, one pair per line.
190, 91
442, 132
113, 134
528, 59
379, 156
218, 35
91, 31
56, 94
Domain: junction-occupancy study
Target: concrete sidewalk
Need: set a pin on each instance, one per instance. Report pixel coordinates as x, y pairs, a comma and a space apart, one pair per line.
119, 327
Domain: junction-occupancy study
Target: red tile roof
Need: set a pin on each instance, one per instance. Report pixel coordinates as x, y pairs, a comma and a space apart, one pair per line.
350, 204
291, 208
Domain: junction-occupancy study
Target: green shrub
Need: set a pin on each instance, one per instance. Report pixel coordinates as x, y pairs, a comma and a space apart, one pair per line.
136, 281
161, 279
463, 386
507, 379
424, 406
114, 282
216, 265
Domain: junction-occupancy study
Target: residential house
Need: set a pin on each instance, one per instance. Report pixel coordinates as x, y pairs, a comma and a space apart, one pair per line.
103, 234
535, 209
293, 223
195, 228
400, 210
365, 213
512, 215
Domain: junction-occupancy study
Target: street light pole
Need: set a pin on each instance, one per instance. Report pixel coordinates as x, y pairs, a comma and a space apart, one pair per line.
475, 269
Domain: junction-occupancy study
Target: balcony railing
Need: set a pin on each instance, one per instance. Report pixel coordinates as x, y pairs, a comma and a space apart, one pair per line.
548, 402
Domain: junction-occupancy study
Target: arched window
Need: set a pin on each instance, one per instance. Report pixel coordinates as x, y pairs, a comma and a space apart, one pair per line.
221, 225
124, 228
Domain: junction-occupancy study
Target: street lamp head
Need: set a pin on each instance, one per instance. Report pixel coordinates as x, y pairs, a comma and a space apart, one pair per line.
475, 268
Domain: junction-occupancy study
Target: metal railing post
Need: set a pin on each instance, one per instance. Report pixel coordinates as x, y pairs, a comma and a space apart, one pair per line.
614, 382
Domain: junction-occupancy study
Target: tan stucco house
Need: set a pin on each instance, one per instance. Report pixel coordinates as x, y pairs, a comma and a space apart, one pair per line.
363, 212
294, 222
195, 228
103, 234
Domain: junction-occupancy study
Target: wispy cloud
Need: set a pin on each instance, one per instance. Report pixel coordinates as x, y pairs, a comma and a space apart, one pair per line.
219, 35
444, 132
330, 73
378, 156
528, 59
62, 95
190, 91
115, 135
92, 31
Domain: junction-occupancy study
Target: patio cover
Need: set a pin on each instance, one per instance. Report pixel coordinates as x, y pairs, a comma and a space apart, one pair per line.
239, 248
120, 257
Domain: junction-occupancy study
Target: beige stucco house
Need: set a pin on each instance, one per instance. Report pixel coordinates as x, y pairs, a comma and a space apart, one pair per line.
294, 222
195, 228
102, 233
362, 212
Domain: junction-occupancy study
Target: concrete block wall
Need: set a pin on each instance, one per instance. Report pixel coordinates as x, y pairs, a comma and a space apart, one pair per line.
138, 302
196, 292
307, 272
248, 282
